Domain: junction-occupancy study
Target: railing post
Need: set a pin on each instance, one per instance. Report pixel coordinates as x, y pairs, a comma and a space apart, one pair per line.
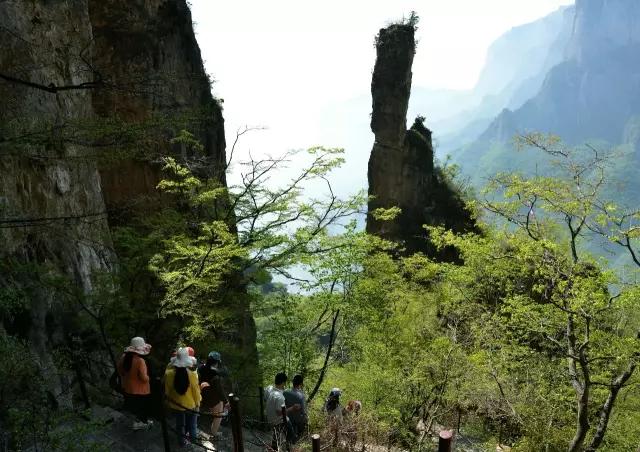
445, 440
236, 424
261, 397
315, 443
163, 420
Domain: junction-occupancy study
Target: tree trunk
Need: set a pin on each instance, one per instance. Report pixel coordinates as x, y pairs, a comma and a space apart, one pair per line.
583, 421
582, 388
605, 411
332, 339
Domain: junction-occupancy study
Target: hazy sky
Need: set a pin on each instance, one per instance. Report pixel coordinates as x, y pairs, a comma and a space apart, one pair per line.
285, 63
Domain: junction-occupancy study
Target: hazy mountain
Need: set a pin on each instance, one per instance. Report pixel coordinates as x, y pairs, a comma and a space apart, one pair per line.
514, 70
592, 95
457, 117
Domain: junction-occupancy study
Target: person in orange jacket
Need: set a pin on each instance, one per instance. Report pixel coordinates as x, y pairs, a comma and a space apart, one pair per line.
134, 375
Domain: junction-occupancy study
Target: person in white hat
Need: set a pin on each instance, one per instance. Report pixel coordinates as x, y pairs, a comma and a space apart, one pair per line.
135, 382
182, 391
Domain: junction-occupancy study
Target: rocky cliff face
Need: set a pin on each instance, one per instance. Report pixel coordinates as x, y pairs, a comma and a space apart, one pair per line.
70, 62
401, 169
52, 211
152, 53
603, 26
593, 95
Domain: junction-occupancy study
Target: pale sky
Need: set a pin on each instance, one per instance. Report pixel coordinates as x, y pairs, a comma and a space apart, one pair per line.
284, 64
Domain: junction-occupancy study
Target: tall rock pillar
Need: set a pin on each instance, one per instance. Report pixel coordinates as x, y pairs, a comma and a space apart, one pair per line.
401, 169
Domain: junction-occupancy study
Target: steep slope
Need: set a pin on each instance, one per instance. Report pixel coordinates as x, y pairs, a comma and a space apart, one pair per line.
536, 47
593, 95
401, 169
87, 75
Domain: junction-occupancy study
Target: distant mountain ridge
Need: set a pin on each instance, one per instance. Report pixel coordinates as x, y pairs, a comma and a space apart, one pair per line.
514, 71
593, 94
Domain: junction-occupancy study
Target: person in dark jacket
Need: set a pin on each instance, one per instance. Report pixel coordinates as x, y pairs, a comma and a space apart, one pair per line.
296, 396
214, 399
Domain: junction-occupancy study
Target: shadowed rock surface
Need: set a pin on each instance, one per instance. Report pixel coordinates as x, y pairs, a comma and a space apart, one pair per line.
83, 66
401, 167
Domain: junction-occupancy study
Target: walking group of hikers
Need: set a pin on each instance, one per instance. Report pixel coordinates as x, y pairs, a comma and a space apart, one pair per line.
287, 414
191, 390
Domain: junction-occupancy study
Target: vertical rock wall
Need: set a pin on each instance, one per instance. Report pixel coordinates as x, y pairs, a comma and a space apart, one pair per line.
52, 214
401, 170
56, 201
149, 48
604, 28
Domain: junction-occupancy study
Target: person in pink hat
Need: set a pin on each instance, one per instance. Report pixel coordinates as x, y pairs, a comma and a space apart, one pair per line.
135, 382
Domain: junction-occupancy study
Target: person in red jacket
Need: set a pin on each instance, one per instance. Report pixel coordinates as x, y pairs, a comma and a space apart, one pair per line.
135, 382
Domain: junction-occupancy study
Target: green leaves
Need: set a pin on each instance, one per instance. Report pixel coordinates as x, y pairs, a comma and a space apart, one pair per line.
181, 180
215, 240
188, 142
382, 214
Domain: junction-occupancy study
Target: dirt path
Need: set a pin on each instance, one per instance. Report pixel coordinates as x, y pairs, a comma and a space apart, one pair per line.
117, 435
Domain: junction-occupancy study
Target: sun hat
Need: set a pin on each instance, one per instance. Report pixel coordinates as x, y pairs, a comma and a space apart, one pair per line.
139, 346
182, 358
190, 350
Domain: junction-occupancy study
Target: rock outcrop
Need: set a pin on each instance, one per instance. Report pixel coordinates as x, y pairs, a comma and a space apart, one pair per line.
151, 52
87, 63
401, 166
602, 28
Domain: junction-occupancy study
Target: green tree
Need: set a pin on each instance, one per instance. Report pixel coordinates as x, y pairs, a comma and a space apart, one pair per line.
538, 285
218, 239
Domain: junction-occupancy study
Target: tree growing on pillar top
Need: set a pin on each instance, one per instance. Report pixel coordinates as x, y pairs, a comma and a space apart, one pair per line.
401, 171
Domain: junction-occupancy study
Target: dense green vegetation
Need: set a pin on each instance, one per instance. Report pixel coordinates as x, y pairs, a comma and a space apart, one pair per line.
526, 339
529, 340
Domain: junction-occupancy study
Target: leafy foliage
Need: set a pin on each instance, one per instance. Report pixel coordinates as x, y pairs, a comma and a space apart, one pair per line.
528, 333
527, 338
